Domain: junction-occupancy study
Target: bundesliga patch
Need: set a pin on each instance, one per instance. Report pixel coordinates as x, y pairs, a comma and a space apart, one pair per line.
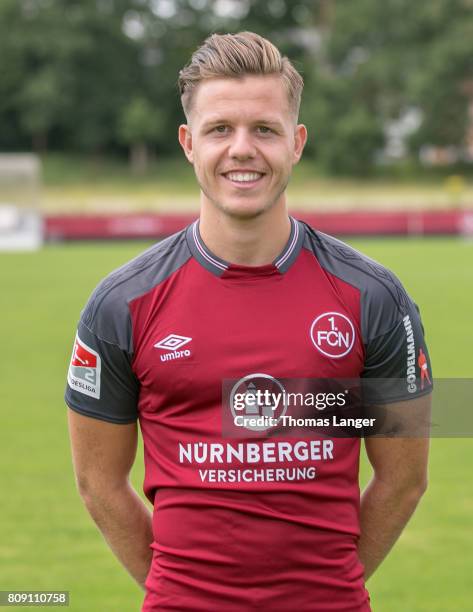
84, 371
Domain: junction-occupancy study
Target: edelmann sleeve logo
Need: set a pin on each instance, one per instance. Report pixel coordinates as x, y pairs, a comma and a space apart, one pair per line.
411, 378
84, 371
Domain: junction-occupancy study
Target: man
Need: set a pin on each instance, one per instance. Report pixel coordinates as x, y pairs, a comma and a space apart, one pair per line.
246, 292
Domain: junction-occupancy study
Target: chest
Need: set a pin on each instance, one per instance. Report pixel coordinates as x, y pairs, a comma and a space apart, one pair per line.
195, 332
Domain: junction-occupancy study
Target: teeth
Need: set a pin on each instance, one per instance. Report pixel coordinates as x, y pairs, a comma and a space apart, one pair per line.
242, 177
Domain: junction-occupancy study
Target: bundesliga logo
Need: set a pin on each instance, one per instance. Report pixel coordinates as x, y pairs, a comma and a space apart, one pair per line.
333, 334
84, 371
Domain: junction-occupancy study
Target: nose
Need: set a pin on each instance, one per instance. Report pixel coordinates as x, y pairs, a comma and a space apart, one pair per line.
242, 145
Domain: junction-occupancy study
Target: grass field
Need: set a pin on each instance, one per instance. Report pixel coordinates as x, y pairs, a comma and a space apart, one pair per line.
48, 541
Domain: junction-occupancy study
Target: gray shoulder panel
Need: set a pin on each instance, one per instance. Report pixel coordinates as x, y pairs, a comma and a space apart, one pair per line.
107, 314
384, 301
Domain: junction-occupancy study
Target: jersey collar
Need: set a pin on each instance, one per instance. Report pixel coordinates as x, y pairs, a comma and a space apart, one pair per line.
219, 267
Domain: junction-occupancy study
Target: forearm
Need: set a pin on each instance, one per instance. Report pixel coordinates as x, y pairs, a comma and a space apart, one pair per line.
385, 510
126, 525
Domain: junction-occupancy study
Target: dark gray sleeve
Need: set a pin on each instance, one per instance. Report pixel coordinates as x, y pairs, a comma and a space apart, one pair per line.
397, 365
100, 381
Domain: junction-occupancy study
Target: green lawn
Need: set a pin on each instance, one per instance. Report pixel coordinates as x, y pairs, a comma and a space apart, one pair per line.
48, 541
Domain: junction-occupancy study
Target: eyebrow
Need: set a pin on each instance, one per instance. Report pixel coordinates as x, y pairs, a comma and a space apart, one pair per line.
223, 120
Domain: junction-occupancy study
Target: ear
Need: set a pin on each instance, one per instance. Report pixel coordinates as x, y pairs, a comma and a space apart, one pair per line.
185, 140
300, 138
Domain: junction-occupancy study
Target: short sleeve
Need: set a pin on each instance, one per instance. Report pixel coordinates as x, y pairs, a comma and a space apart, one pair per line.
100, 381
397, 364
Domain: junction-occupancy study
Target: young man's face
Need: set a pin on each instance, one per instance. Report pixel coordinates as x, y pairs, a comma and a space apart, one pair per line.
243, 142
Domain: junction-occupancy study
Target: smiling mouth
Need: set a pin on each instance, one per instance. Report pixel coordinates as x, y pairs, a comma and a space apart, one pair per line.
243, 178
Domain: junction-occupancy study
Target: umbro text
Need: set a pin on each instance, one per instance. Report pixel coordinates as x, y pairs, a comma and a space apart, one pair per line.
175, 355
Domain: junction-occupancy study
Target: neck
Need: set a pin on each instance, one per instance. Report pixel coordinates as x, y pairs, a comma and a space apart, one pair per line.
248, 242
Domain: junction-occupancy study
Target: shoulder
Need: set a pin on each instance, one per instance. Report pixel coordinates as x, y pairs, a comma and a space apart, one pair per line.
384, 300
106, 313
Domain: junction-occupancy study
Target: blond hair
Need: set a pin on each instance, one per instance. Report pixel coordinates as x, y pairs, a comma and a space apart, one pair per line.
234, 56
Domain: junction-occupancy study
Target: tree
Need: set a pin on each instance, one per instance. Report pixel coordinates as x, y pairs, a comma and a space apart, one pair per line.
406, 54
140, 124
40, 104
73, 70
69, 67
344, 133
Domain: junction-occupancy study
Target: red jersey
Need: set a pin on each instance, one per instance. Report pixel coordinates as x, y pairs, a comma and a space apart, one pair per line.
250, 522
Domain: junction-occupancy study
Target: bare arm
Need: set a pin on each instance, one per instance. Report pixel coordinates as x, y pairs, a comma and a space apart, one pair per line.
398, 483
103, 454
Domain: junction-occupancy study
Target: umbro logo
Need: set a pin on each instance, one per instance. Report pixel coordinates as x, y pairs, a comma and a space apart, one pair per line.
173, 343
